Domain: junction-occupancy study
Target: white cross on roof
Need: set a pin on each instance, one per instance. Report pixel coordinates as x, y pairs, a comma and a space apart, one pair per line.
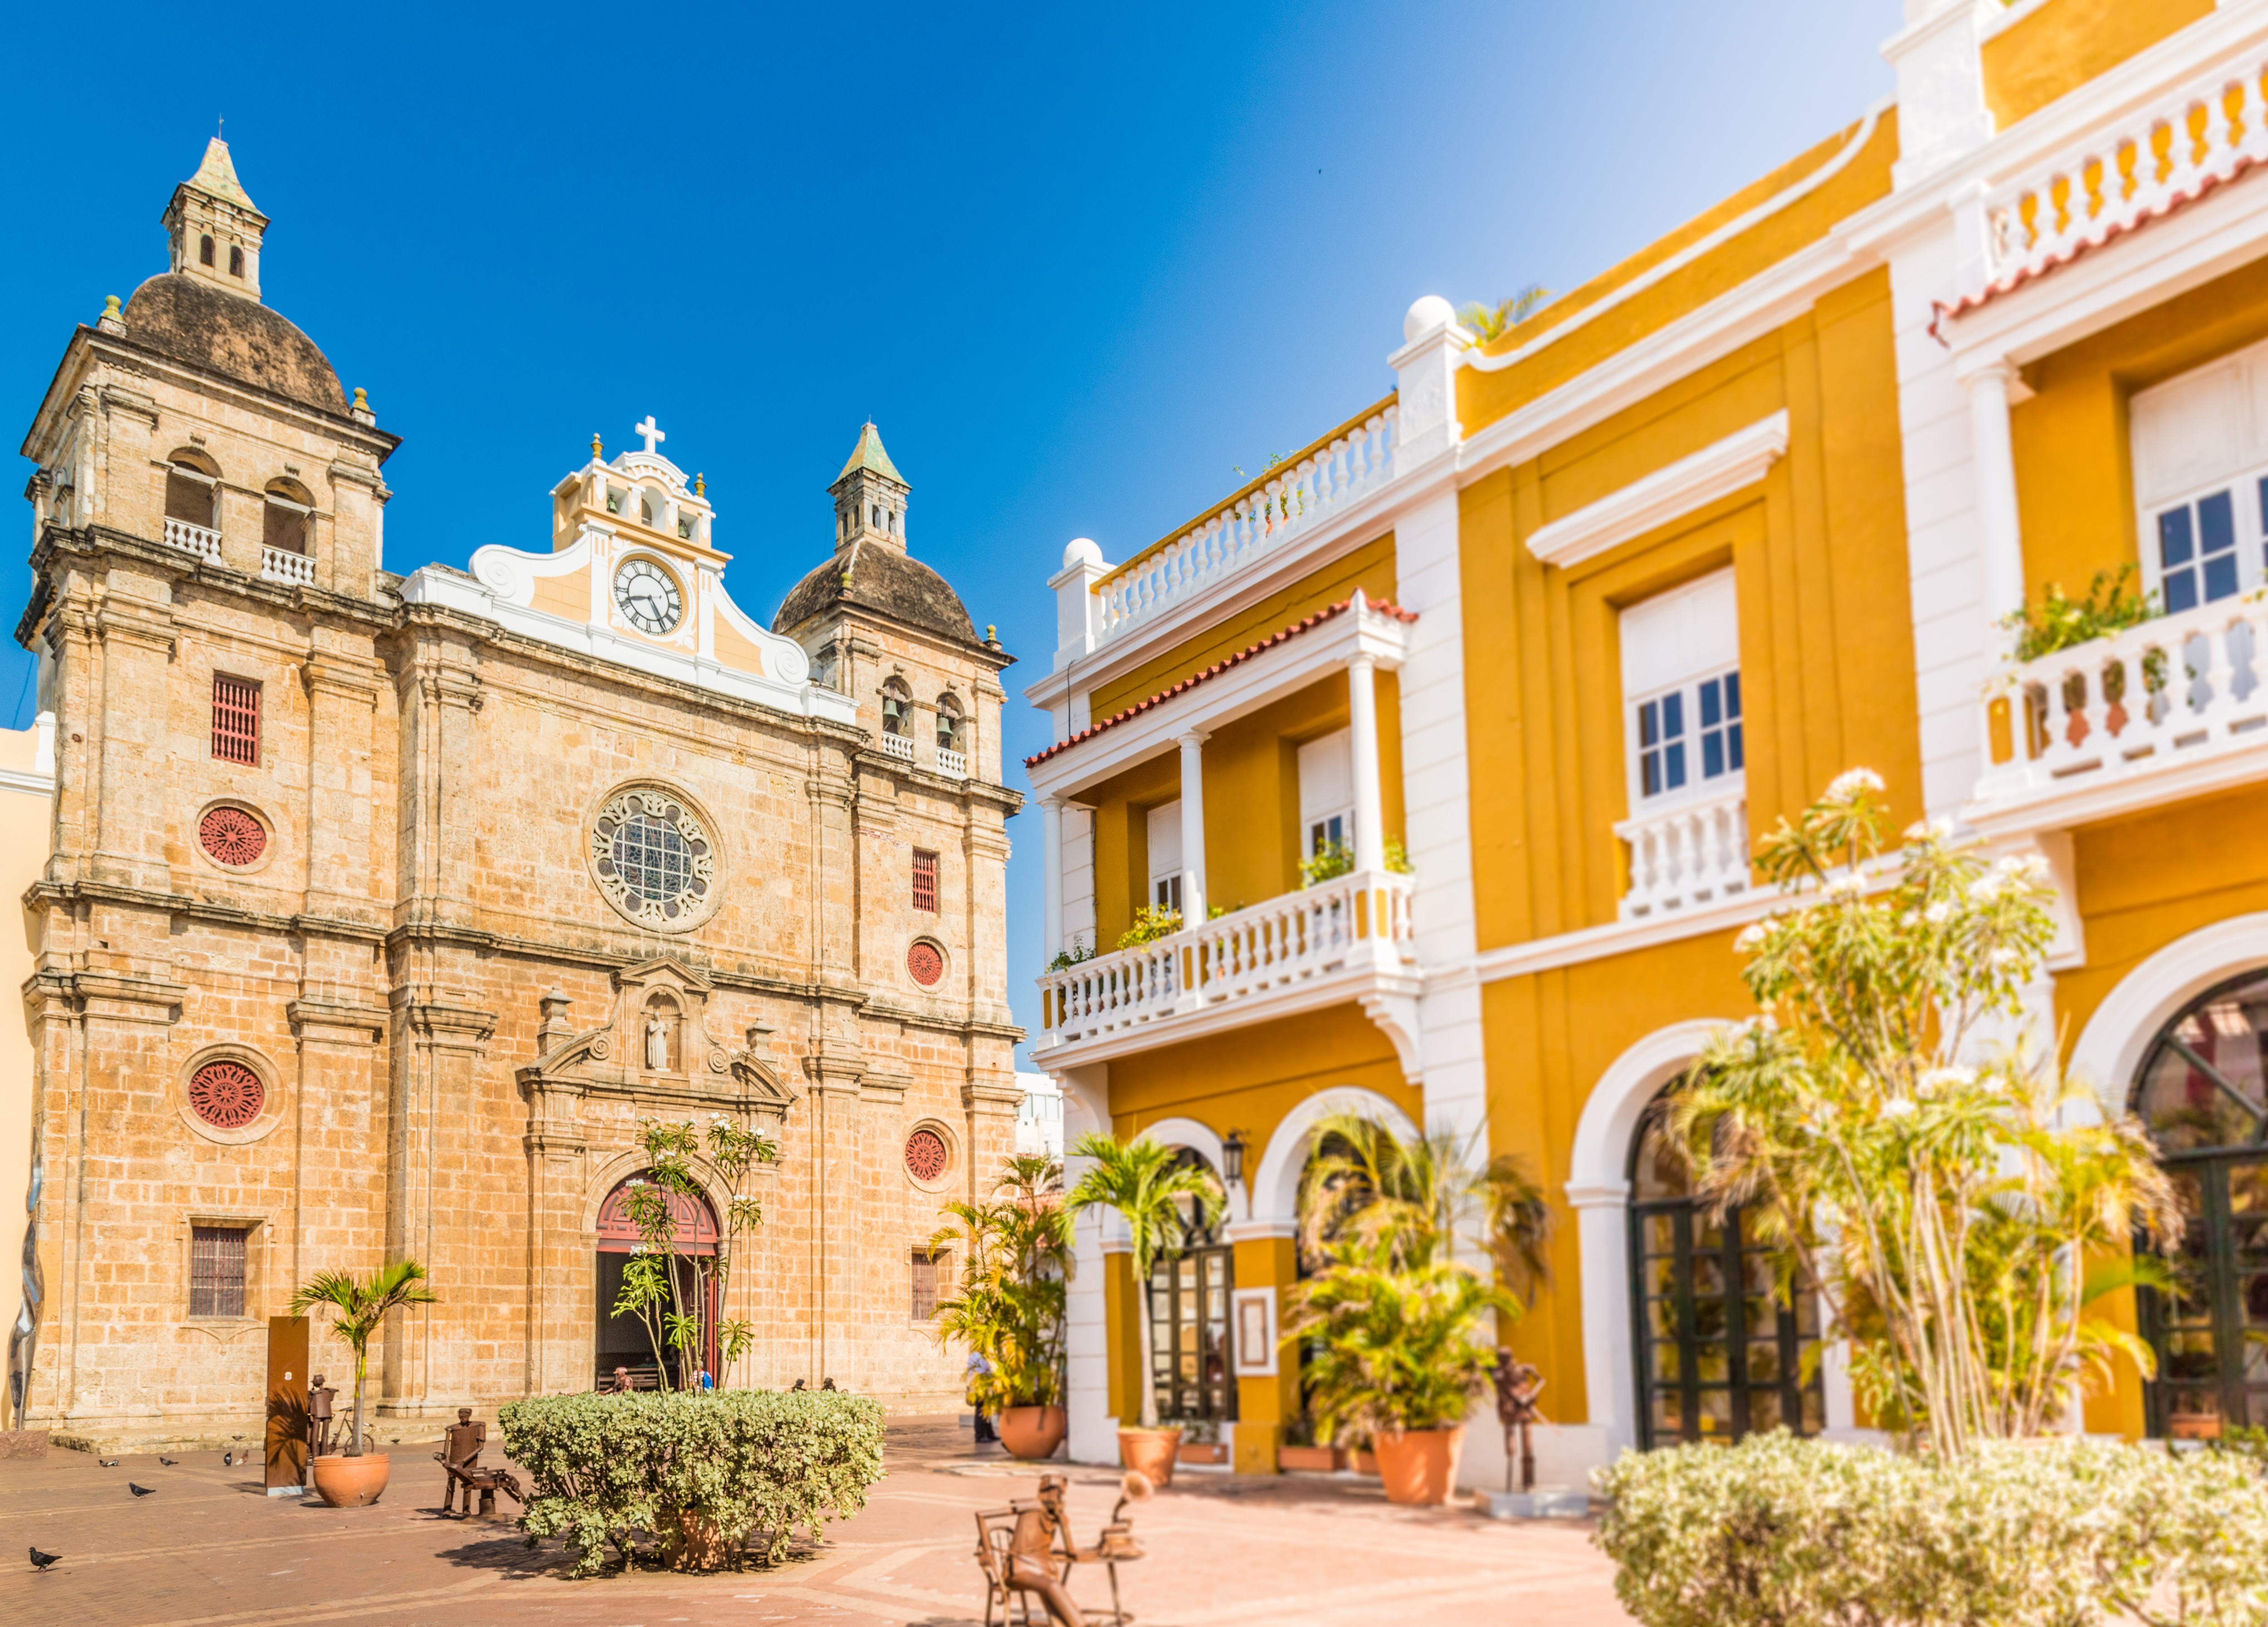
647, 429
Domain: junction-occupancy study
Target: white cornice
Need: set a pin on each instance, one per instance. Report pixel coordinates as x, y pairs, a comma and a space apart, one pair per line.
34, 785
2149, 782
1740, 460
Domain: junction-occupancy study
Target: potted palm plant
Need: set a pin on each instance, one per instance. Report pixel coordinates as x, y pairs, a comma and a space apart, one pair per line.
1140, 1181
359, 1307
1399, 1307
1009, 1308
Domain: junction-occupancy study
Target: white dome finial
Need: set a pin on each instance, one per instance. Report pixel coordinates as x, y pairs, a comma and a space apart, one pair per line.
1081, 551
1430, 313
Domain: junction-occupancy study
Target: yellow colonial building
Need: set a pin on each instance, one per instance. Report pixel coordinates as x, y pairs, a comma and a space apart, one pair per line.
1546, 638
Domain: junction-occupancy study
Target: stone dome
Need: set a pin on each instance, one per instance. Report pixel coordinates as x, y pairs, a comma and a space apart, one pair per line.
238, 338
882, 580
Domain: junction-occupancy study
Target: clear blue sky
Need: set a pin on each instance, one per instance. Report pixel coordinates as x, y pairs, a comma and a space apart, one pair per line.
1076, 262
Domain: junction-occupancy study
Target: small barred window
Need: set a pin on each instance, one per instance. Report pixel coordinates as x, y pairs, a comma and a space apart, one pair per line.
924, 880
235, 720
925, 1285
217, 1270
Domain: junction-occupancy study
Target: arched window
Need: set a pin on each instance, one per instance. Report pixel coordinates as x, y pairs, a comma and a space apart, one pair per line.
2202, 1093
1719, 1355
1190, 1301
235, 260
206, 249
897, 708
952, 727
283, 525
191, 481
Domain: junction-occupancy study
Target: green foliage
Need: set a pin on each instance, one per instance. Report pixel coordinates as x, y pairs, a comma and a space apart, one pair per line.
2111, 605
1333, 859
1490, 323
1777, 1531
1068, 958
1396, 1310
750, 1467
658, 1277
1140, 1182
1016, 1255
359, 1307
1151, 922
1960, 1210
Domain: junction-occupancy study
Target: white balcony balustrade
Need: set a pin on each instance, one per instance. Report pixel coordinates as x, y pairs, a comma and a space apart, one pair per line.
2175, 693
1694, 850
284, 565
1350, 923
1351, 462
954, 764
203, 540
899, 746
2146, 164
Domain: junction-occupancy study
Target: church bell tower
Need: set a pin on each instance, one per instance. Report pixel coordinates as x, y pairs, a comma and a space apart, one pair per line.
213, 227
870, 496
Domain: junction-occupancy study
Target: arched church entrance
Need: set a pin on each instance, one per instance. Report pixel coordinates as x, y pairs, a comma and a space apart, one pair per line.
628, 1340
1189, 1299
1719, 1355
2202, 1090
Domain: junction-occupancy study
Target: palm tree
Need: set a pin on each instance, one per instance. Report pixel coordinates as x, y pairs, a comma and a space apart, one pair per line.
1413, 1204
1141, 1181
1010, 1309
362, 1307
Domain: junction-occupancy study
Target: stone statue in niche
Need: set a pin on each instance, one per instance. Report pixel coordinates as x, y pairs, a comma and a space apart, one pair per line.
657, 1040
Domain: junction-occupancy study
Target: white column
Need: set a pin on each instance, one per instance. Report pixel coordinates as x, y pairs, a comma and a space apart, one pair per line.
1193, 853
2000, 543
1051, 870
1362, 734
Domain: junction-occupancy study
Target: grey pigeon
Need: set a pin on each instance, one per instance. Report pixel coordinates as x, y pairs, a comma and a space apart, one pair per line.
43, 1560
171, 1463
140, 1491
108, 1462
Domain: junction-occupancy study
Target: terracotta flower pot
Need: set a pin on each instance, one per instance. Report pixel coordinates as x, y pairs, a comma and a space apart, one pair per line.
1034, 1432
1420, 1465
352, 1481
1151, 1451
1202, 1451
1310, 1460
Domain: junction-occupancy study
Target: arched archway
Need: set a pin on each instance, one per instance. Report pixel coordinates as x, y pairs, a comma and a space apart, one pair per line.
627, 1340
1275, 1184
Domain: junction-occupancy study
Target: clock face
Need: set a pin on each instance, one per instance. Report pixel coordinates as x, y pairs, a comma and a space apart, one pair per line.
648, 596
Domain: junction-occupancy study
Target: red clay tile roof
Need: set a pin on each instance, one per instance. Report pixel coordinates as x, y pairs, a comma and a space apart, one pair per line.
1190, 683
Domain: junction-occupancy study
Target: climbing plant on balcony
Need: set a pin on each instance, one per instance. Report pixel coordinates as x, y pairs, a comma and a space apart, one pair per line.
1151, 922
2111, 605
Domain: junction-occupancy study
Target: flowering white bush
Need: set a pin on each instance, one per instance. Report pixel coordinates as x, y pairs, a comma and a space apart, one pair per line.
1777, 1532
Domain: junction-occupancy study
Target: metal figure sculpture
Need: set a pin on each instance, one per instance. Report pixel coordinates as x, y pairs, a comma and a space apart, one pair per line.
1517, 1386
460, 1457
1034, 1556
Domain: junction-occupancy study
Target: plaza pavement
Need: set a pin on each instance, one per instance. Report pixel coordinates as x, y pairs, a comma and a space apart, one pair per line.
210, 1550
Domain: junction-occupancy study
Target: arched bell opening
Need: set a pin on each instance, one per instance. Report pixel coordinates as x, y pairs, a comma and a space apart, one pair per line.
628, 1341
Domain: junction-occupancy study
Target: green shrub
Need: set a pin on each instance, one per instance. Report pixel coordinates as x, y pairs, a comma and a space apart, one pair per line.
711, 1474
1778, 1531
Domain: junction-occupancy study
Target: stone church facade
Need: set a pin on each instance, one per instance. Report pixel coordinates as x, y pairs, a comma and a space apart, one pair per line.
382, 909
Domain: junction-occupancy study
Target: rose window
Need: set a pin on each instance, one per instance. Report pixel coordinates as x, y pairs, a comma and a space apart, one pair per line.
654, 859
925, 964
227, 1095
232, 836
925, 1154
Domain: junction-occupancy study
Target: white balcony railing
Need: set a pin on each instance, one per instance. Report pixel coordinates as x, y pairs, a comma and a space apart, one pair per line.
2148, 700
283, 564
1693, 851
1353, 462
2139, 168
1336, 925
951, 763
899, 746
203, 540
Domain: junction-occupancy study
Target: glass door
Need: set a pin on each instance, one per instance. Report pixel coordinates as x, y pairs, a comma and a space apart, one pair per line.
1189, 1335
2209, 1326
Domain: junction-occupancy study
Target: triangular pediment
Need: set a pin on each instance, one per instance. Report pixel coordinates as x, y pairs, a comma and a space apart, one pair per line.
662, 968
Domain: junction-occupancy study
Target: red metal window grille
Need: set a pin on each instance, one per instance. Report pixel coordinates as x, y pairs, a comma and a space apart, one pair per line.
925, 1154
232, 836
235, 720
924, 880
217, 1270
925, 964
925, 1306
227, 1095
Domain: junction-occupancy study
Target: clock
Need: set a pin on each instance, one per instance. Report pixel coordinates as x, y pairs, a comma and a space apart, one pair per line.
648, 597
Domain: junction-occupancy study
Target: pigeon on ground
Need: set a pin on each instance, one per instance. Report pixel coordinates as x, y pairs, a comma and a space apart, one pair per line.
228, 1460
43, 1560
171, 1463
108, 1462
140, 1491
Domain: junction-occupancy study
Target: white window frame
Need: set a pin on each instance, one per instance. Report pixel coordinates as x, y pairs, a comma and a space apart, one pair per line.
1165, 888
2231, 393
1698, 784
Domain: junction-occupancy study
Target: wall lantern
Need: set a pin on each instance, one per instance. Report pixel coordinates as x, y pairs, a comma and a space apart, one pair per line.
1232, 1157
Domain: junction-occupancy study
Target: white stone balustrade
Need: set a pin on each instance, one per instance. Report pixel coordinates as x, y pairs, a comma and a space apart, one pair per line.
1336, 925
1695, 851
202, 541
951, 763
899, 746
2143, 166
284, 565
1300, 497
2152, 699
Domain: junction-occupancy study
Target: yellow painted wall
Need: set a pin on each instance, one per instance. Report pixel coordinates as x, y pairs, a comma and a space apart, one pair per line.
1248, 1078
568, 595
1819, 549
1370, 567
2075, 470
1483, 398
2066, 42
1264, 1404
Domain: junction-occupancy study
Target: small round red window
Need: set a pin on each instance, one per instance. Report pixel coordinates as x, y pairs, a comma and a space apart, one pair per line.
925, 1154
227, 1095
232, 836
925, 963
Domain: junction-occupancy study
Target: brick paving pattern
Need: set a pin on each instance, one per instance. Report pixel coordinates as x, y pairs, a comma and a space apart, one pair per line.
209, 1550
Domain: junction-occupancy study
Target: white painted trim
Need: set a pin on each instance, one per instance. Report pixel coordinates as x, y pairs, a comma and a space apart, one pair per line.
2110, 1047
1188, 1132
35, 784
1275, 1184
1247, 1366
1692, 482
1599, 1158
1339, 988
